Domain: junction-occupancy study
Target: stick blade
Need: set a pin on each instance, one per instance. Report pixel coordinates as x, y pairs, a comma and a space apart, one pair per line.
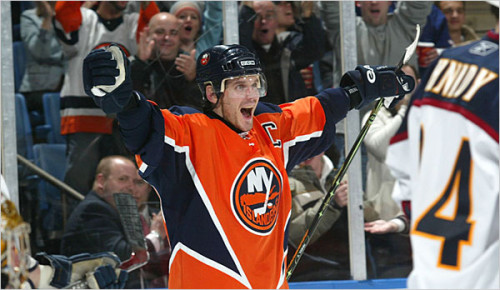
410, 50
131, 221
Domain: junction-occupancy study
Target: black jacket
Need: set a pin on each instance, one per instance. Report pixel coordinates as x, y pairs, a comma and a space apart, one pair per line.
302, 47
162, 83
94, 226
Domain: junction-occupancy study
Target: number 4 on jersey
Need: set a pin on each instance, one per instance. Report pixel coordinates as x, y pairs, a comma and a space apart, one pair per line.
456, 230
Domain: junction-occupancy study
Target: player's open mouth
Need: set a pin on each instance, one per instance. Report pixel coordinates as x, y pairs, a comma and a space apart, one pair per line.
246, 112
188, 28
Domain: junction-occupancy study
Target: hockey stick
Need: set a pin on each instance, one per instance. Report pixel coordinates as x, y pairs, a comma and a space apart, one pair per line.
343, 169
131, 221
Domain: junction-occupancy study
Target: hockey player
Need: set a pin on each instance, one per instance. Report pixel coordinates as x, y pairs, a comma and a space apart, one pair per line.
221, 174
446, 161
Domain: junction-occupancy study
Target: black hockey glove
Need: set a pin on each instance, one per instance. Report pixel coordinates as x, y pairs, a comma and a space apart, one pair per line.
100, 270
367, 83
106, 78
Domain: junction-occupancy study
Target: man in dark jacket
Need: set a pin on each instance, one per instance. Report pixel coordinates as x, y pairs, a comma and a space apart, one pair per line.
161, 70
282, 61
95, 226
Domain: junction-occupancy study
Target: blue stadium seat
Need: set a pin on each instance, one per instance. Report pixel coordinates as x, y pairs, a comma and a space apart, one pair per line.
52, 159
51, 130
19, 54
23, 128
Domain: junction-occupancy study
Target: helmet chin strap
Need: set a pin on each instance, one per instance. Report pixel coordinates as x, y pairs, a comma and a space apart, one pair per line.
218, 103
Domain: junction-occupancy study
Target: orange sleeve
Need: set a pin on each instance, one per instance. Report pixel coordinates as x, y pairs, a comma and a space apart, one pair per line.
144, 17
69, 15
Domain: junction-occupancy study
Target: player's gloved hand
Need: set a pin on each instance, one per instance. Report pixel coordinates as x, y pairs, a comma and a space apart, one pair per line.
107, 277
367, 83
99, 270
106, 78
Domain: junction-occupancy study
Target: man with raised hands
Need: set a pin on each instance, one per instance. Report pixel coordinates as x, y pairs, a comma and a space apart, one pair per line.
221, 173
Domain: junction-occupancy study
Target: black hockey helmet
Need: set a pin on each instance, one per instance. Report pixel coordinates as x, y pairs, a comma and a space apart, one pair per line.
221, 62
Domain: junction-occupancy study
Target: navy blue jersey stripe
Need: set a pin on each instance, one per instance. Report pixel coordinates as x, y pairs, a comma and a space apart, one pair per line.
470, 115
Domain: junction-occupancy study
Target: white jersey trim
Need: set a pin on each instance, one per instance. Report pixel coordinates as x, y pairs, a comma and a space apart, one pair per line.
291, 143
201, 191
180, 246
71, 112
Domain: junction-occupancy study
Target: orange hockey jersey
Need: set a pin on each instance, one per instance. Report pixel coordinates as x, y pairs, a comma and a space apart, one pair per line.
225, 195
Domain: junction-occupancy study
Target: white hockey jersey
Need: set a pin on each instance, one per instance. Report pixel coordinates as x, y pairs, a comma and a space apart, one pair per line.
80, 31
446, 160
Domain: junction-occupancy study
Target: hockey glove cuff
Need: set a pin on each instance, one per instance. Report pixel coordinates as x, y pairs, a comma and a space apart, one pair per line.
106, 78
367, 83
107, 277
100, 270
61, 266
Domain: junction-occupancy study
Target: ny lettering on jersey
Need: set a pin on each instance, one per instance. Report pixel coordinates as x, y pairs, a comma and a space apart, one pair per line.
256, 195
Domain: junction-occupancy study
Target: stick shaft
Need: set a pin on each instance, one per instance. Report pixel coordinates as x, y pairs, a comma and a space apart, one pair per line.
331, 192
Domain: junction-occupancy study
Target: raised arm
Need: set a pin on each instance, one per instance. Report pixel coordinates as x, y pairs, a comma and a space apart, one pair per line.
410, 13
68, 14
148, 10
106, 78
39, 39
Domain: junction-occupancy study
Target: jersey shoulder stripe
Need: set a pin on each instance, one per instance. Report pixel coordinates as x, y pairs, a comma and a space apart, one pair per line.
465, 80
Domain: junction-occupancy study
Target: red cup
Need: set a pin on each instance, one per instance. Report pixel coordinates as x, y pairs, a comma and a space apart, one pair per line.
423, 49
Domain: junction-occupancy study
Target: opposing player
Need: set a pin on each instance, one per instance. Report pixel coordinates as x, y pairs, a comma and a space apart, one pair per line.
222, 173
446, 161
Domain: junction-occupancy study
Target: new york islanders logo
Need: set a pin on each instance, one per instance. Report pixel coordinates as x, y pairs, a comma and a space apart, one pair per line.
204, 59
255, 196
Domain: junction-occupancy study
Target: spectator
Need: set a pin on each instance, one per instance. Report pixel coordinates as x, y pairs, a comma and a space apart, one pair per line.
381, 38
380, 183
216, 217
282, 62
194, 14
85, 230
285, 15
45, 63
454, 11
86, 127
313, 177
435, 31
445, 158
155, 273
309, 183
157, 70
289, 19
290, 29
327, 255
